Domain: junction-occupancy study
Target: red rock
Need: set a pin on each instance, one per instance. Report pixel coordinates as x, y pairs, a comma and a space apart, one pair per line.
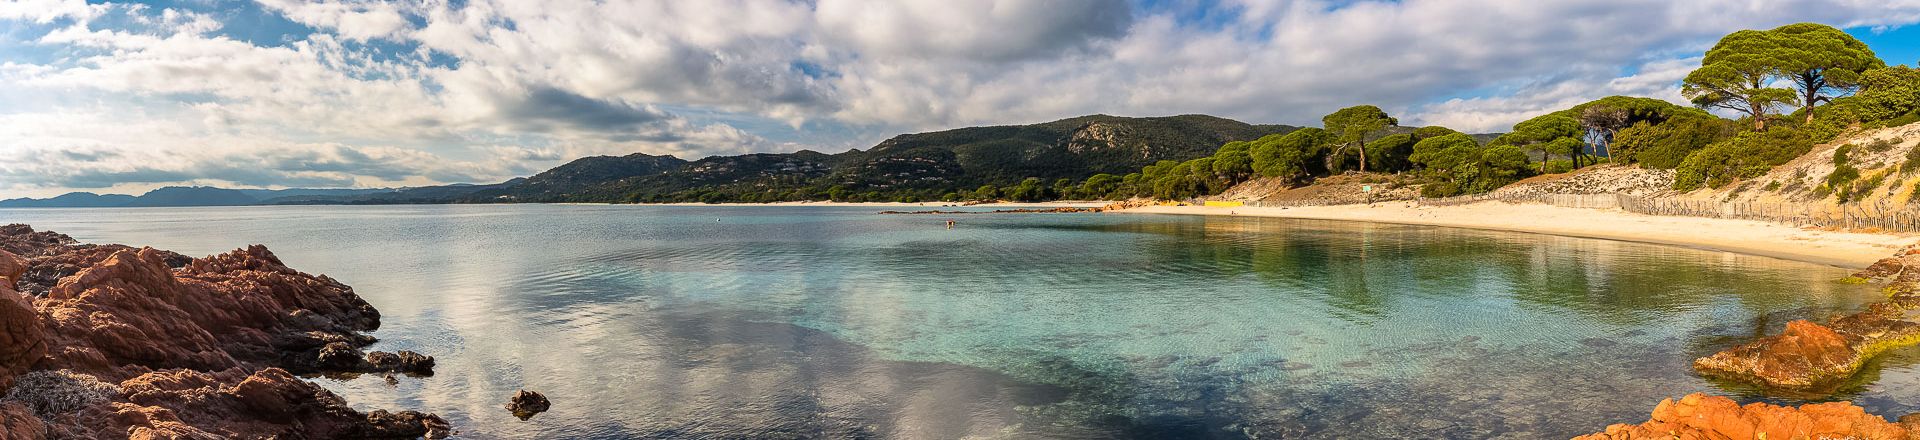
1809, 357
18, 423
1699, 416
23, 241
11, 267
1803, 356
22, 341
192, 343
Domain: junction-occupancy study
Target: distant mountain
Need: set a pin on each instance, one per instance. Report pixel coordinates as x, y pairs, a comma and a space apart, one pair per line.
71, 200
193, 196
921, 165
187, 196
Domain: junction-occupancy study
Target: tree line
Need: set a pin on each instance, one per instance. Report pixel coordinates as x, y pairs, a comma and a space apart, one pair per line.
1830, 81
1791, 88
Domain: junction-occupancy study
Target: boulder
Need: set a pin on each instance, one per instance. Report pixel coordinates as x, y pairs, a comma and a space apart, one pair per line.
1802, 356
526, 404
1699, 416
339, 356
22, 341
17, 422
403, 362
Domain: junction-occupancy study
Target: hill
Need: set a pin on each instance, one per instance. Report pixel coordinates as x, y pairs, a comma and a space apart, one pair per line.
188, 196
919, 166
70, 200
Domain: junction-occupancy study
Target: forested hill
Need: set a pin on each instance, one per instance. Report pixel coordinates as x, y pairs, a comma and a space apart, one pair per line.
918, 167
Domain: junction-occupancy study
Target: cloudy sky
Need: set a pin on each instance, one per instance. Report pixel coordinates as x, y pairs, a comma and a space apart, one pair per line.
124, 97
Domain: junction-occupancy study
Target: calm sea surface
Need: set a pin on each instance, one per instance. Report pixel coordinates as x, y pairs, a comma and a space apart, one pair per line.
805, 322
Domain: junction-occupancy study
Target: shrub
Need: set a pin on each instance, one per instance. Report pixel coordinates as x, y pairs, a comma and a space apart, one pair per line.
1558, 166
1881, 146
59, 392
1439, 189
1666, 145
1913, 160
1744, 156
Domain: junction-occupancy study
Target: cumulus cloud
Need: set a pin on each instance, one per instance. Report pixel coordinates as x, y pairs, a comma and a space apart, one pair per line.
994, 30
46, 11
354, 20
366, 92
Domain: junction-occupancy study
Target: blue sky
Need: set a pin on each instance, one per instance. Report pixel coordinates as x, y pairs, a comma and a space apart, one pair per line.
128, 96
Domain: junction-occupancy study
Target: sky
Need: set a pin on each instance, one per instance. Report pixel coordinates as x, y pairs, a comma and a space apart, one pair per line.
122, 97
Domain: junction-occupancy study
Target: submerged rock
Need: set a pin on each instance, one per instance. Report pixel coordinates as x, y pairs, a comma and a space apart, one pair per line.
1699, 416
178, 347
526, 404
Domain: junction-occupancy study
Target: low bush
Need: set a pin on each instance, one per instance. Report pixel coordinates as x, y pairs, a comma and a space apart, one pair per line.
59, 392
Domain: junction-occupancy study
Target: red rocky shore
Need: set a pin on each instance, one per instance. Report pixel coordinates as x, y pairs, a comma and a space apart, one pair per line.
1703, 417
111, 341
1806, 359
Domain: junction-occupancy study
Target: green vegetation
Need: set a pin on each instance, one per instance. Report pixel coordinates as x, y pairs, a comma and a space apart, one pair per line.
1738, 73
1550, 134
1350, 127
1746, 155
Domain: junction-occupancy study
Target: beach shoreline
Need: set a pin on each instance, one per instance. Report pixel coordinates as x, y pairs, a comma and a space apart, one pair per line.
1851, 250
1052, 204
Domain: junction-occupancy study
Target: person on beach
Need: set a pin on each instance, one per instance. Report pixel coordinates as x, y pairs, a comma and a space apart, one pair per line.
949, 224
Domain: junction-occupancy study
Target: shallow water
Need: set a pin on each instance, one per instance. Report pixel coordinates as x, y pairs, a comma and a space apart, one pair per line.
773, 322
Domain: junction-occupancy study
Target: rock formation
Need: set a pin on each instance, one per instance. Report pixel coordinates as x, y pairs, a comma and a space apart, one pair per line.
1699, 416
192, 347
526, 404
1812, 357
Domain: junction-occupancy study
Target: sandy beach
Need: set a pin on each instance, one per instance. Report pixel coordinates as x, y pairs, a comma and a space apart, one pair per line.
1843, 249
925, 205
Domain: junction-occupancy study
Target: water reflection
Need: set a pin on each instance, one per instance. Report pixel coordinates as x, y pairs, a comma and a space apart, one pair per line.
698, 322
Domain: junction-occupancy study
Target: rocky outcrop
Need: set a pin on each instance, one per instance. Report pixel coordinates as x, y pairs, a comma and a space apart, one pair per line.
18, 423
188, 347
526, 404
1803, 356
1699, 416
1813, 357
22, 342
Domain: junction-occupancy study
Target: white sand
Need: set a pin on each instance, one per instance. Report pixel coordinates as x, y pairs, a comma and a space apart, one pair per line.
1843, 249
927, 205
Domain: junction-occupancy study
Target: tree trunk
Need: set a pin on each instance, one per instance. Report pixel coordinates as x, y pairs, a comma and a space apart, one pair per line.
1811, 83
1363, 154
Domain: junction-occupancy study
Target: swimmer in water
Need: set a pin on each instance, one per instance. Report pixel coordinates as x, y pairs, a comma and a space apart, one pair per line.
949, 224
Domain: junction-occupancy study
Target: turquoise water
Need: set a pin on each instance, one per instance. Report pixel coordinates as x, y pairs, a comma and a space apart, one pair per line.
804, 322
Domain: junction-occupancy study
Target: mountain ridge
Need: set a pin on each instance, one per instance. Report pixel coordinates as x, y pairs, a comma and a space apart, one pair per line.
910, 166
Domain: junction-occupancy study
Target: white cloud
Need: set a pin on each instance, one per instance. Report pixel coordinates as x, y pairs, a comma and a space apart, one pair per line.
488, 89
46, 11
353, 20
